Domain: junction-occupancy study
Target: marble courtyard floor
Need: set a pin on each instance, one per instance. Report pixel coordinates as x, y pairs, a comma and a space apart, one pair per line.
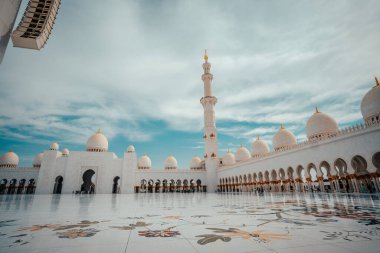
199, 222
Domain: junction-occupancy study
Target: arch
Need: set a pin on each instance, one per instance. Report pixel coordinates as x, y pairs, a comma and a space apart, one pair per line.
312, 171
274, 175
266, 176
164, 185
376, 160
115, 186
88, 185
290, 172
58, 185
3, 186
157, 185
31, 186
171, 185
341, 167
281, 174
12, 186
21, 186
325, 169
199, 185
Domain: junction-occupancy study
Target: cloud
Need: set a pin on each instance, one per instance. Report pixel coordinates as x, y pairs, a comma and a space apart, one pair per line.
121, 66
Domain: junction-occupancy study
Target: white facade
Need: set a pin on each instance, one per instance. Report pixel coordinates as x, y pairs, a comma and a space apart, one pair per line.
333, 159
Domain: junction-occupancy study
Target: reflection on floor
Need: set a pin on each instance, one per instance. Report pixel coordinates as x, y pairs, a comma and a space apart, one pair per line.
197, 222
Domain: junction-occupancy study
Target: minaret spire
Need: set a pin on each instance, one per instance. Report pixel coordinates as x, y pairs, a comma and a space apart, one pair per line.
210, 136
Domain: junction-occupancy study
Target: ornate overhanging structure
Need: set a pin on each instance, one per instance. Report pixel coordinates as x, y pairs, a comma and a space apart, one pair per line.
36, 24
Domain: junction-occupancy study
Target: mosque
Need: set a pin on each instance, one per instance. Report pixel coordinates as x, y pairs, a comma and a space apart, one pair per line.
331, 159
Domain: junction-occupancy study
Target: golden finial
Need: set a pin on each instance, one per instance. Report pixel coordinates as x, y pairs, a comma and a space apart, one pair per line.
377, 82
282, 126
258, 137
10, 151
241, 145
206, 55
98, 131
228, 150
316, 109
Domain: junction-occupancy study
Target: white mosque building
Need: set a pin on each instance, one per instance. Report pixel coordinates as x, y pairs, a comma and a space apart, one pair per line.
332, 159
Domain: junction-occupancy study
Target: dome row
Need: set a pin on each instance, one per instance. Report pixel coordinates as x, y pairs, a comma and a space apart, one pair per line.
319, 125
170, 163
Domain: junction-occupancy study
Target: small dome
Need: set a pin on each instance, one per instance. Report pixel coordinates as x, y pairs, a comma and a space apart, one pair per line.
228, 159
65, 152
38, 160
9, 160
242, 154
54, 146
195, 162
97, 143
370, 105
283, 139
320, 125
144, 162
131, 149
171, 163
259, 147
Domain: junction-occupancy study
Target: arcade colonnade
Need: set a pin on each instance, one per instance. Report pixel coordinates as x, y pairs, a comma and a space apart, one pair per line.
339, 176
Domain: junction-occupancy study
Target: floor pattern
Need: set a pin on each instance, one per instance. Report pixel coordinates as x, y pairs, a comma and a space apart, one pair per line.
176, 222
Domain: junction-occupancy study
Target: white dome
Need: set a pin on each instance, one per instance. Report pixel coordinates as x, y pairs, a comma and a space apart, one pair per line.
370, 105
144, 162
9, 160
97, 143
228, 159
195, 162
171, 163
38, 160
283, 139
242, 154
54, 146
259, 147
65, 152
320, 125
131, 149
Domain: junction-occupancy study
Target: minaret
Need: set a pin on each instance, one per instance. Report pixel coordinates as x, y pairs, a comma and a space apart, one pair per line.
210, 136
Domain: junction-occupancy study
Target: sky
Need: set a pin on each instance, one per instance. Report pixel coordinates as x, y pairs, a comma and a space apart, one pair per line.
133, 69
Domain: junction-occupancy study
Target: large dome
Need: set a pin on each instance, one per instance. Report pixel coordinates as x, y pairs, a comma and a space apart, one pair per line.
144, 162
9, 160
370, 105
320, 125
97, 143
259, 147
171, 163
283, 139
195, 163
228, 159
65, 152
54, 146
242, 154
38, 160
131, 149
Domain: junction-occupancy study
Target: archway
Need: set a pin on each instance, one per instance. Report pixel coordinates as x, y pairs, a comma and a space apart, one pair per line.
21, 185
58, 185
31, 186
158, 185
12, 186
3, 186
115, 186
179, 185
150, 186
171, 185
341, 167
185, 185
192, 185
376, 161
359, 164
164, 185
199, 185
88, 185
